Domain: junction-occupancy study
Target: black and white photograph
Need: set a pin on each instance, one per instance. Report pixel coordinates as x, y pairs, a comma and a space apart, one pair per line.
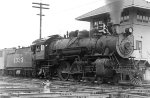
75, 49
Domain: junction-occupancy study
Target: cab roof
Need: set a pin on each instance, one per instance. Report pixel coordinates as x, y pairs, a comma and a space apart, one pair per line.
46, 40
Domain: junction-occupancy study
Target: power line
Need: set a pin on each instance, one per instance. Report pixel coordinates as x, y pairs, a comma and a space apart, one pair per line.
41, 14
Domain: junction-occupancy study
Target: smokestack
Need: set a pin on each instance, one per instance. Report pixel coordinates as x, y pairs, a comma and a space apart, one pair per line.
115, 8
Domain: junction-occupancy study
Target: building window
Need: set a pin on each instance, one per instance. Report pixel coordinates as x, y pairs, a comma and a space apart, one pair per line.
125, 16
145, 19
138, 45
139, 18
97, 24
142, 17
38, 48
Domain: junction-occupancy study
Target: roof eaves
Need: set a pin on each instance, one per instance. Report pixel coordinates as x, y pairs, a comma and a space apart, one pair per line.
92, 13
104, 9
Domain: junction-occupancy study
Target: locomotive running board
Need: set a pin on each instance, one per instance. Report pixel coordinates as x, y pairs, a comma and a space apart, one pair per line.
96, 56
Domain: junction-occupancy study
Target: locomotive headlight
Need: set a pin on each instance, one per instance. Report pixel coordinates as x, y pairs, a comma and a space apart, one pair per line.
129, 30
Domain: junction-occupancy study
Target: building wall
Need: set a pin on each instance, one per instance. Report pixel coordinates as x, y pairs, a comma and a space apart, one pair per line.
139, 19
142, 33
141, 26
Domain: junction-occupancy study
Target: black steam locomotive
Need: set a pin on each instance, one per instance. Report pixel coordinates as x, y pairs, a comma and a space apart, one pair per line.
100, 55
103, 55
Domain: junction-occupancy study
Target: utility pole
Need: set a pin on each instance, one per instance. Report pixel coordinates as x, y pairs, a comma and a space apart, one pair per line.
41, 14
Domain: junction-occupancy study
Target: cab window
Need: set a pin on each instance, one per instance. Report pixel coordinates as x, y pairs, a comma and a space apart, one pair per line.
38, 48
42, 47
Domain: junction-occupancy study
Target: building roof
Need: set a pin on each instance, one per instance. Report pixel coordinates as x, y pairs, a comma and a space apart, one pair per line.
105, 9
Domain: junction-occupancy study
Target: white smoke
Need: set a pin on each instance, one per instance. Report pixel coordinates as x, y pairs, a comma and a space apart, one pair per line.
116, 8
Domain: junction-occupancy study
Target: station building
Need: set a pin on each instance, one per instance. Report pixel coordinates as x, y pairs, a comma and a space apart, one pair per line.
135, 14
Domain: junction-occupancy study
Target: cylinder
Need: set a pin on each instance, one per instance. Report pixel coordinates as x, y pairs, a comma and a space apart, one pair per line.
101, 69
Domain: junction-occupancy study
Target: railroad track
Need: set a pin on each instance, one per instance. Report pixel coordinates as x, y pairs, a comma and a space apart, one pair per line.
26, 87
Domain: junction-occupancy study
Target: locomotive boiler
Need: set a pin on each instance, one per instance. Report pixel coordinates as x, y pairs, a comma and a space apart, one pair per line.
105, 44
97, 55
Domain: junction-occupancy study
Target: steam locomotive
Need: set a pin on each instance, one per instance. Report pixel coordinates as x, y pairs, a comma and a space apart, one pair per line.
102, 55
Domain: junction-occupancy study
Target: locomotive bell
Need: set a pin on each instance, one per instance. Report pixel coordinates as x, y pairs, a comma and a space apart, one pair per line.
116, 26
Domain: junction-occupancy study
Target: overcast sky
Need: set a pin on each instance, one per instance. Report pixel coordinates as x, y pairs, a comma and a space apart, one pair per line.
19, 24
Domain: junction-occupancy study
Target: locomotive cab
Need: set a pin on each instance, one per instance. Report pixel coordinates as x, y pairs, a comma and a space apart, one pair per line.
38, 49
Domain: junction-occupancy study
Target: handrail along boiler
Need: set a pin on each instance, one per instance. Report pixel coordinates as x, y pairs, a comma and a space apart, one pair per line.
102, 54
